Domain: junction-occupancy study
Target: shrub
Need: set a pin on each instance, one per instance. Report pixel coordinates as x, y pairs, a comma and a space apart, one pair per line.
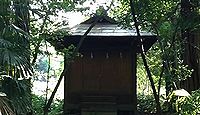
39, 102
189, 105
146, 103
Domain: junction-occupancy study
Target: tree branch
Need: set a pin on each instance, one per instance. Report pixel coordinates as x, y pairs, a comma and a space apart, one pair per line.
136, 24
66, 69
39, 42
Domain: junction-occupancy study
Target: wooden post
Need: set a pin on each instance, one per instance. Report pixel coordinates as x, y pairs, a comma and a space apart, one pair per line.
134, 78
65, 89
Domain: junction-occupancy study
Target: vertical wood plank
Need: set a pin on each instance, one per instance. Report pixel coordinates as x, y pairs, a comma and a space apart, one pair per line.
134, 78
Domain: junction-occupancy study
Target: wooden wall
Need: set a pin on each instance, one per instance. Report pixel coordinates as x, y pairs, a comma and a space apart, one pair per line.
193, 61
100, 73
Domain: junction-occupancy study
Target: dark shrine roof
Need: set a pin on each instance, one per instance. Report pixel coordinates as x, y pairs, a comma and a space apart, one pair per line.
105, 27
107, 34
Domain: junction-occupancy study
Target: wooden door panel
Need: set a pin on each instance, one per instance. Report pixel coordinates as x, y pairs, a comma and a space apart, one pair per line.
106, 72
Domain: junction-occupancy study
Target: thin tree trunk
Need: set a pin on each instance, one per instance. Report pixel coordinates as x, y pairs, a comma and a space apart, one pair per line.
144, 59
48, 73
36, 50
67, 67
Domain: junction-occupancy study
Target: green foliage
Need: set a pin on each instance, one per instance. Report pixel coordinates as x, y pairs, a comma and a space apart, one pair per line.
57, 107
189, 105
46, 24
159, 16
16, 41
38, 104
146, 104
100, 11
14, 51
14, 57
155, 65
165, 60
18, 93
5, 106
162, 17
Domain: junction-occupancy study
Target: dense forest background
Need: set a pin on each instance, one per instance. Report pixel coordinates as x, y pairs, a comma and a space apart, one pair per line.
26, 26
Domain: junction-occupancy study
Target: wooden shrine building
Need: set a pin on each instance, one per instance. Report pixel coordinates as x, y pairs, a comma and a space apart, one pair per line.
103, 80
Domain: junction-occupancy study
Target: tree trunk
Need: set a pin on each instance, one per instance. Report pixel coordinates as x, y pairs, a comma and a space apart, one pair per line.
67, 67
144, 59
